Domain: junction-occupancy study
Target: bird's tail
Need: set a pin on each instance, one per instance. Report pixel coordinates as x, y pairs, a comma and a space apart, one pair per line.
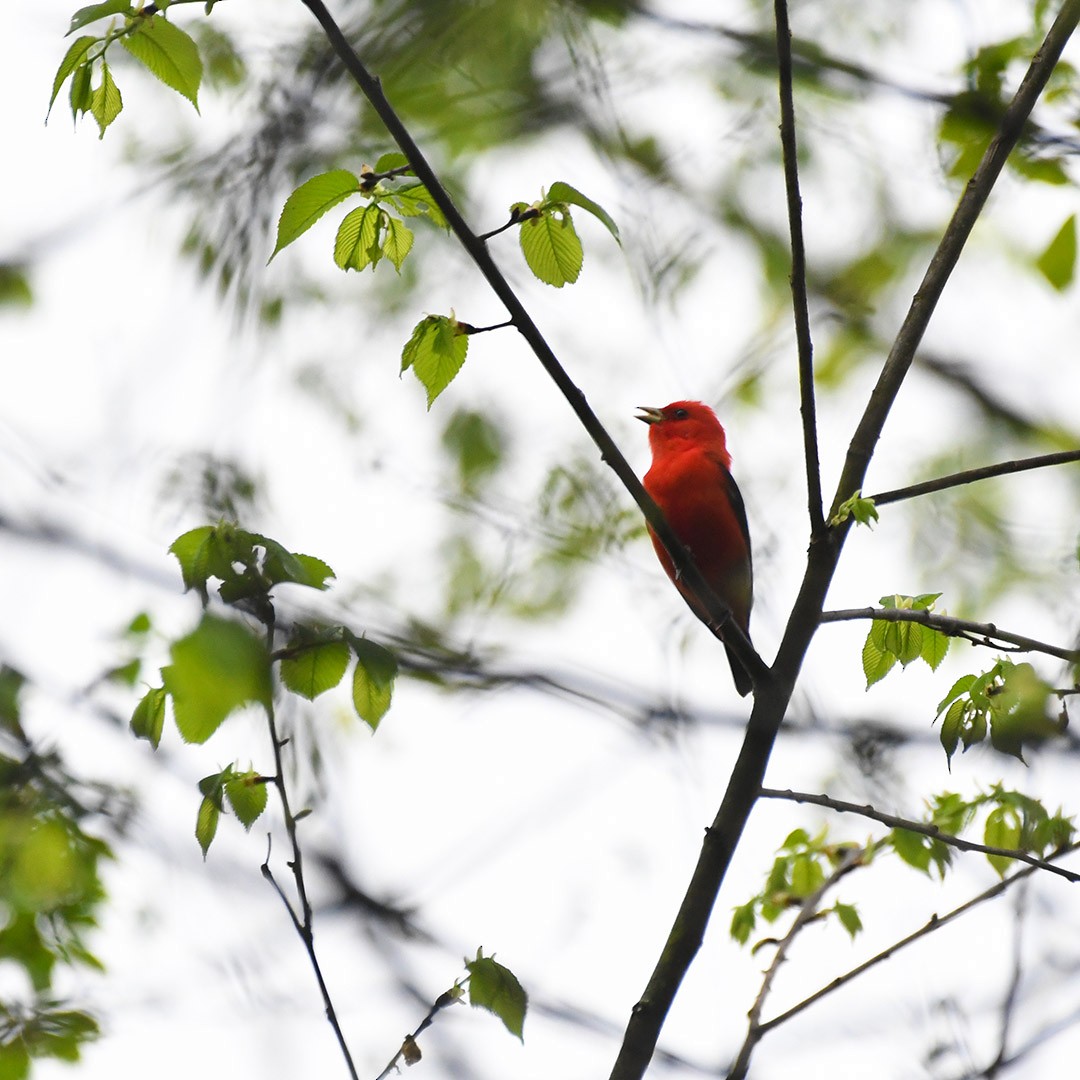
743, 682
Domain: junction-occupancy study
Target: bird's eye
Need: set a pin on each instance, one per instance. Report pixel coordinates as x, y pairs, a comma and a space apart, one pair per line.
681, 414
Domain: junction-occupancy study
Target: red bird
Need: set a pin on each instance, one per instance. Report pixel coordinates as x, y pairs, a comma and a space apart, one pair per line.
690, 481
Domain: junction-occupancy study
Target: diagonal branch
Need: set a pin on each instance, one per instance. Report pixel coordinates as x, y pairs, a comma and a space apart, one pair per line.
979, 633
789, 147
934, 923
925, 829
948, 252
719, 612
807, 911
969, 476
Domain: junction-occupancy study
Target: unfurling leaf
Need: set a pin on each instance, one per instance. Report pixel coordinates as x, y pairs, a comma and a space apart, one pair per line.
435, 352
495, 988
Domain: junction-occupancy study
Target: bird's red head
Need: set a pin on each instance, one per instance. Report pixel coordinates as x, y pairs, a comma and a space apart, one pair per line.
684, 424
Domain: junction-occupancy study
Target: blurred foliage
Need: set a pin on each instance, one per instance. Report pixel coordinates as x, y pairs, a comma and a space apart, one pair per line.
50, 887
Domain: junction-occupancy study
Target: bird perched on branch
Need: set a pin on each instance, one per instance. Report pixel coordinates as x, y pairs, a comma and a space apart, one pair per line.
691, 482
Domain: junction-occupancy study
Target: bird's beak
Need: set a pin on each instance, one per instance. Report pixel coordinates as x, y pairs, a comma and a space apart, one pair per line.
650, 415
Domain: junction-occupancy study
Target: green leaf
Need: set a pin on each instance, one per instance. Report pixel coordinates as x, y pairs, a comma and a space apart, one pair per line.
246, 793
849, 917
169, 53
206, 824
1058, 262
357, 242
877, 662
415, 200
1002, 830
75, 57
958, 689
560, 192
743, 921
316, 669
310, 201
280, 565
935, 647
435, 352
862, 510
105, 100
495, 988
80, 93
373, 680
951, 725
149, 716
551, 247
398, 241
98, 11
192, 551
217, 668
394, 159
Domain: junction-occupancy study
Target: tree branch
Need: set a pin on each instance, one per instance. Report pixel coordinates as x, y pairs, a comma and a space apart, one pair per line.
969, 476
807, 911
772, 697
789, 147
936, 922
925, 829
979, 633
719, 613
948, 252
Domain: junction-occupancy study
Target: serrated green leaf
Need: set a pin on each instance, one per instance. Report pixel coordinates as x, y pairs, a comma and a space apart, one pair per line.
876, 661
74, 58
192, 551
310, 201
280, 564
94, 12
148, 719
935, 647
357, 242
951, 728
373, 680
206, 824
435, 352
169, 53
398, 241
105, 100
958, 688
1058, 262
551, 247
415, 200
561, 192
246, 793
217, 668
316, 669
496, 988
911, 635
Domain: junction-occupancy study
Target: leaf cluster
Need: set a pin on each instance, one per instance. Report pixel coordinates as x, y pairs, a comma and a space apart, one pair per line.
159, 45
889, 643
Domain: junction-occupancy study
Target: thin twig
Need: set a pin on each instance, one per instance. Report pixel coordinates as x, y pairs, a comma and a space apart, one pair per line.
807, 911
409, 1049
800, 306
302, 920
1012, 993
936, 922
969, 476
923, 828
979, 633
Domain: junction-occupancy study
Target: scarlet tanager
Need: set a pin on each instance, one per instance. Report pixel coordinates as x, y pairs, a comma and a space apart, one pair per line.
691, 483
